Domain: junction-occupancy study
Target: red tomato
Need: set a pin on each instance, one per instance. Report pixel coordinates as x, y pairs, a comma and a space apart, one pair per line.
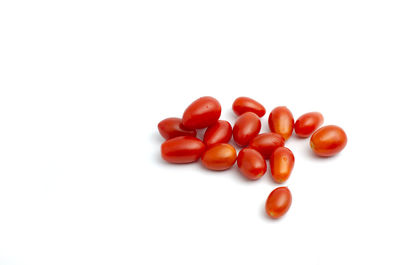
220, 132
281, 121
251, 163
247, 127
172, 127
202, 113
306, 124
219, 157
245, 104
282, 163
278, 202
182, 149
266, 143
328, 140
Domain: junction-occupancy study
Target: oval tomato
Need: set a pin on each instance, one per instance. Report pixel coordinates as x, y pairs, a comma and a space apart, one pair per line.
307, 123
328, 140
278, 202
182, 149
202, 113
245, 104
282, 163
266, 143
220, 132
219, 157
247, 127
251, 163
281, 121
172, 127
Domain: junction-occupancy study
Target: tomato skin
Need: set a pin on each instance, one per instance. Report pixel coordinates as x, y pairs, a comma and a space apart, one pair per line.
172, 127
202, 113
220, 132
281, 121
266, 143
307, 123
219, 157
246, 127
251, 163
328, 140
245, 104
182, 149
278, 202
282, 163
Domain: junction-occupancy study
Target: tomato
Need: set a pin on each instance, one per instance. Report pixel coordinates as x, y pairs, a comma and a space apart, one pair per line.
202, 113
251, 163
281, 121
182, 149
282, 163
278, 202
247, 127
328, 140
266, 143
219, 157
307, 123
220, 132
245, 104
172, 127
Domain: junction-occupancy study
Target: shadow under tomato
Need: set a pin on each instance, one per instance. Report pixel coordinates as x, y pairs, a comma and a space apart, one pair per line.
159, 160
156, 137
301, 147
310, 154
220, 172
231, 116
239, 177
200, 133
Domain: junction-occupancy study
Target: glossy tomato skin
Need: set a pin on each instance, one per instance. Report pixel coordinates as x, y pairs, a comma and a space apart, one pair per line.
220, 132
182, 149
172, 127
247, 127
266, 143
281, 121
219, 157
251, 163
307, 123
328, 140
202, 113
282, 163
278, 202
245, 104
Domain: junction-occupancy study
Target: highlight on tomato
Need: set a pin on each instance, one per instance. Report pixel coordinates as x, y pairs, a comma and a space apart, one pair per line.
281, 121
245, 104
202, 113
278, 202
220, 132
246, 127
182, 149
251, 163
172, 127
219, 157
307, 123
266, 143
328, 140
282, 163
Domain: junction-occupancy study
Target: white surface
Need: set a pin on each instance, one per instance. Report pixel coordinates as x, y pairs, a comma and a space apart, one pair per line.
83, 85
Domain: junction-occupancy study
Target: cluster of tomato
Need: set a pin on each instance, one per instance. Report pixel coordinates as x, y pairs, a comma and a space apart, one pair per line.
182, 146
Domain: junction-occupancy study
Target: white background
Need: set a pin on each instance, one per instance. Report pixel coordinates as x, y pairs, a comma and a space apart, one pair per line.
83, 85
